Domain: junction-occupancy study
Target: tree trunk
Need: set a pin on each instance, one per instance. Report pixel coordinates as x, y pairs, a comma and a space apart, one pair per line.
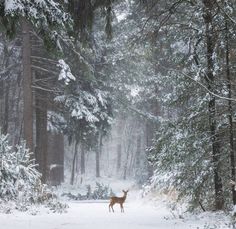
127, 159
132, 161
230, 113
120, 129
118, 157
6, 107
72, 179
149, 134
209, 33
27, 82
98, 153
97, 163
18, 119
82, 161
41, 132
1, 102
138, 152
56, 157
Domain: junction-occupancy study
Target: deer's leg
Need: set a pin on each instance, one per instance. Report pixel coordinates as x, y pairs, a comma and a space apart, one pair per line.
111, 206
121, 207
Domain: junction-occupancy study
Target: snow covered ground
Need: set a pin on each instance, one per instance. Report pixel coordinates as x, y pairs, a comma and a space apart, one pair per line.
153, 211
90, 215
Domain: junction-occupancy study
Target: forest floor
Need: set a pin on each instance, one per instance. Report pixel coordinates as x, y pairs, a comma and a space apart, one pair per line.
95, 214
154, 211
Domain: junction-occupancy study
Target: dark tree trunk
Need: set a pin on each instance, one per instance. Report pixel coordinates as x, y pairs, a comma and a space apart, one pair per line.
230, 113
41, 132
210, 42
97, 163
61, 152
56, 158
27, 82
6, 90
82, 159
72, 179
98, 153
18, 119
1, 102
6, 107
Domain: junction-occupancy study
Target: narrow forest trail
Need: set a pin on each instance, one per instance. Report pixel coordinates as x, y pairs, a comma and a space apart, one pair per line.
82, 215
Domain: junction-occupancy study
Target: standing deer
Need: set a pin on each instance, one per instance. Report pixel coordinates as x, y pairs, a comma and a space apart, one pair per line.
118, 200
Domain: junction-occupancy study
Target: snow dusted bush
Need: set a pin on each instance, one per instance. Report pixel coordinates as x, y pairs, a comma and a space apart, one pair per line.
19, 178
20, 181
57, 207
100, 192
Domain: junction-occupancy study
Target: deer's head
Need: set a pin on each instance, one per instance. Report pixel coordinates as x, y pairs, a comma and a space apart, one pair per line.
125, 192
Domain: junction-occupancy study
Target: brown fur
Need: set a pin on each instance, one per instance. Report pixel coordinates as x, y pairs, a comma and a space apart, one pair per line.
118, 200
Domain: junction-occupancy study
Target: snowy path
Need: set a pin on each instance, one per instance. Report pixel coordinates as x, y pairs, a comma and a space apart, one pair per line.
96, 215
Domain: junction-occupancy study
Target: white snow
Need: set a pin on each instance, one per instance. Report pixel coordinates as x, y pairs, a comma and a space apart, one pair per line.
94, 214
121, 16
12, 5
154, 211
65, 73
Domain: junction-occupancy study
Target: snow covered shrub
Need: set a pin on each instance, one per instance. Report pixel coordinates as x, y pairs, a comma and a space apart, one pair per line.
43, 194
102, 192
57, 207
71, 196
20, 181
19, 178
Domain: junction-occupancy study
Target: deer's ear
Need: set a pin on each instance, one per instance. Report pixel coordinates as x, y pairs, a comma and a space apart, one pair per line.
123, 191
127, 190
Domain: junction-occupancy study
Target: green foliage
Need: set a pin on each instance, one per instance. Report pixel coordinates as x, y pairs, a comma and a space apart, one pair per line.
182, 147
100, 192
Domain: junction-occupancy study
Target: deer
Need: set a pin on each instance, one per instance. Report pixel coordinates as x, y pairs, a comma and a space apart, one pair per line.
118, 200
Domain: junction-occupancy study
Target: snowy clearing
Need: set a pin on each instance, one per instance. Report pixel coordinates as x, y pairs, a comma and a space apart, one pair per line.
87, 215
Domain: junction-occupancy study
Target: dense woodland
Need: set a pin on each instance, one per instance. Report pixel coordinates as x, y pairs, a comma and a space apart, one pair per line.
131, 89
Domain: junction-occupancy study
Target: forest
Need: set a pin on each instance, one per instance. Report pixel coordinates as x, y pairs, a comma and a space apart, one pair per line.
102, 96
